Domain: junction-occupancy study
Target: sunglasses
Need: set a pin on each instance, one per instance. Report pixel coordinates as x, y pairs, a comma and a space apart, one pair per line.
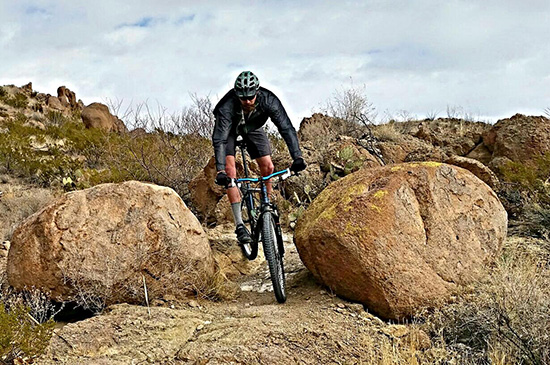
247, 97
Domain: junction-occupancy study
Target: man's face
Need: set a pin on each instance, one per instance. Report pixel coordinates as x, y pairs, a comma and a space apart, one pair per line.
248, 104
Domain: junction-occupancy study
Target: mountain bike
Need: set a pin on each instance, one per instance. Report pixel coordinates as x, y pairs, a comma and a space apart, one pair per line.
261, 217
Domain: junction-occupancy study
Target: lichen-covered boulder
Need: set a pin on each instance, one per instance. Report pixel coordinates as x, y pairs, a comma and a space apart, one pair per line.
401, 237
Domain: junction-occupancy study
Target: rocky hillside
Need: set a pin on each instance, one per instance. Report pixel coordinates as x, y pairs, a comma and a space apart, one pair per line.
439, 225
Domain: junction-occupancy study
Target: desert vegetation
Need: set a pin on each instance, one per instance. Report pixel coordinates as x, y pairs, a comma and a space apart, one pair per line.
501, 319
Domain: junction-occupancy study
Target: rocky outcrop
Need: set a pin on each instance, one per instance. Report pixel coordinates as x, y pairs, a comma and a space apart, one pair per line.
67, 98
452, 135
97, 115
99, 244
522, 139
401, 237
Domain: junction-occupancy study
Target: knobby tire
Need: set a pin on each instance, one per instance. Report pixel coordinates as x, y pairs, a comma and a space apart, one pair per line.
250, 250
273, 256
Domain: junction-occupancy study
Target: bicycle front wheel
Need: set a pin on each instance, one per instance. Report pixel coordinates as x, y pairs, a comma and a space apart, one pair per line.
273, 256
250, 250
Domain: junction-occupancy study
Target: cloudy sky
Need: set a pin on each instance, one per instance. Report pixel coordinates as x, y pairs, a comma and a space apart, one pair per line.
490, 59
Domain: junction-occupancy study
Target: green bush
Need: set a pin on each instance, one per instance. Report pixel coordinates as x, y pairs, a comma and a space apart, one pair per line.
66, 149
18, 100
20, 336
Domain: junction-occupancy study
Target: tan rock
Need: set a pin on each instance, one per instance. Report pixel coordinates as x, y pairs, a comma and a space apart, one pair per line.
101, 242
54, 103
477, 168
97, 115
67, 97
521, 139
400, 237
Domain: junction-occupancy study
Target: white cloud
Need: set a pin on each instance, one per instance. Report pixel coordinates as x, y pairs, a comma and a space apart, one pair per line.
488, 57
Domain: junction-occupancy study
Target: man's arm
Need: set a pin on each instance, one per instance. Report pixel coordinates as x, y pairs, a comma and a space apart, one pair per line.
278, 116
219, 136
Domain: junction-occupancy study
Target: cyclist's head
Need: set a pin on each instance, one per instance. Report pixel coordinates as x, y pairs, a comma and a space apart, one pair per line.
246, 85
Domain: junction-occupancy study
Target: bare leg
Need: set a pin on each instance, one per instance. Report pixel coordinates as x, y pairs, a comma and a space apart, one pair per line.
266, 168
231, 171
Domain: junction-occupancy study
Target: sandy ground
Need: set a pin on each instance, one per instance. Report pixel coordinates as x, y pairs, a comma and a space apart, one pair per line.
312, 327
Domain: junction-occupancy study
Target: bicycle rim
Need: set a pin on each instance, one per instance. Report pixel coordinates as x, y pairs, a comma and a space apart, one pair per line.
273, 257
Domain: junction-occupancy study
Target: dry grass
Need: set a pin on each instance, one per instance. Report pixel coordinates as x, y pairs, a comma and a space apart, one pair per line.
17, 202
387, 132
97, 282
506, 318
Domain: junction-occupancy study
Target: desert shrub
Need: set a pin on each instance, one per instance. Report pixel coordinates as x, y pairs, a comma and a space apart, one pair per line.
352, 106
3, 92
26, 324
18, 100
507, 316
103, 281
526, 195
20, 336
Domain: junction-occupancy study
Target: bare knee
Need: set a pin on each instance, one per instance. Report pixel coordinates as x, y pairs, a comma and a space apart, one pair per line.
266, 166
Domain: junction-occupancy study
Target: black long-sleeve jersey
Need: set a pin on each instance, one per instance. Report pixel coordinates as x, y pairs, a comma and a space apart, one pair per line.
229, 114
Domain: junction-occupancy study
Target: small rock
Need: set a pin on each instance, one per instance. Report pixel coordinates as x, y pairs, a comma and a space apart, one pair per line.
341, 305
157, 303
193, 304
200, 327
169, 298
357, 308
396, 331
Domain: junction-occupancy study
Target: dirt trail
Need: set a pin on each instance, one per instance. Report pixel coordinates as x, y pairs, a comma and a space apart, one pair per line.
312, 327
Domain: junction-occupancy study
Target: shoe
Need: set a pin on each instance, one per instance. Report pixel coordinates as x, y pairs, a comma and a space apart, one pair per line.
242, 234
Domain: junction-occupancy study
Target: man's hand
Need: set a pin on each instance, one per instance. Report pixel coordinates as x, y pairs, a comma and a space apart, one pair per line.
298, 165
222, 179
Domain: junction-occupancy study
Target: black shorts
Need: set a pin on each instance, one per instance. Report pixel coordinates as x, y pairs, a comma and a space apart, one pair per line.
257, 144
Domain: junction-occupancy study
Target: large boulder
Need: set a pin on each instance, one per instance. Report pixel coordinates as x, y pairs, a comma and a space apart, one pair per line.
99, 244
97, 115
400, 237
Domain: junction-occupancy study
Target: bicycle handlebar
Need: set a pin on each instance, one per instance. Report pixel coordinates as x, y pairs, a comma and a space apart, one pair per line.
283, 175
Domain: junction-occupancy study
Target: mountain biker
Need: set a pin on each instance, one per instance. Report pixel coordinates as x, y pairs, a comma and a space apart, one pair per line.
243, 111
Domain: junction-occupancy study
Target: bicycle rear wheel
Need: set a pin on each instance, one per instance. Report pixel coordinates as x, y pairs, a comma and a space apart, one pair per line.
273, 256
248, 205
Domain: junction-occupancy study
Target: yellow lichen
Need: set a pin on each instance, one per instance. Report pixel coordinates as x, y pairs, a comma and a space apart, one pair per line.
396, 168
376, 208
380, 194
431, 163
355, 228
